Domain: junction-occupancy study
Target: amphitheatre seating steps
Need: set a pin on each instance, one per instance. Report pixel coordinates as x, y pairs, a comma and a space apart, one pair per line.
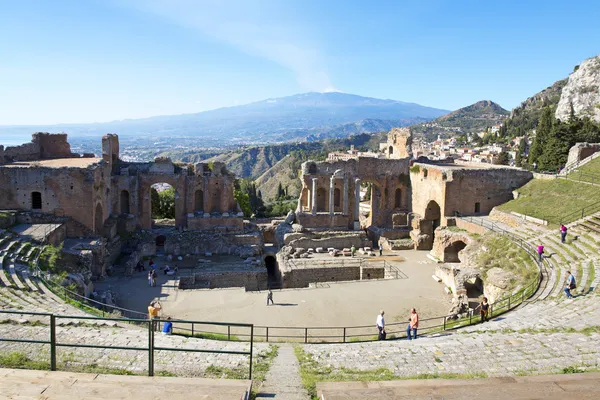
3, 275
13, 275
532, 338
28, 281
180, 363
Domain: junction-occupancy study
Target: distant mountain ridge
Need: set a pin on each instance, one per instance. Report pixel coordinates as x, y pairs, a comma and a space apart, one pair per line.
305, 116
470, 119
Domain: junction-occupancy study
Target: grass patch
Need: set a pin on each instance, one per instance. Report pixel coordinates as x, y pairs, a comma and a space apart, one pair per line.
501, 252
553, 199
260, 366
311, 373
17, 359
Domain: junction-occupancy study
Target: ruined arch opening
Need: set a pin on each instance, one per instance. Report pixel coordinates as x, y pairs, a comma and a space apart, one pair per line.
337, 199
160, 242
312, 168
215, 206
398, 198
433, 213
321, 200
36, 201
162, 204
451, 251
98, 219
271, 265
391, 150
124, 202
199, 200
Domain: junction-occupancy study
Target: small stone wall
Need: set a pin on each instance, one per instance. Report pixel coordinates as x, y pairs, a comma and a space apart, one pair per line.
505, 218
302, 277
372, 273
340, 241
469, 226
324, 221
250, 280
232, 224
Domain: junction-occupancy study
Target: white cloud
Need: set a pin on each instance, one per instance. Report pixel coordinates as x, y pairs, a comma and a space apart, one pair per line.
259, 29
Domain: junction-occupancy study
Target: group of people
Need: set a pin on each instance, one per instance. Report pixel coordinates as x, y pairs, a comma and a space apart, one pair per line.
154, 310
168, 270
411, 329
570, 282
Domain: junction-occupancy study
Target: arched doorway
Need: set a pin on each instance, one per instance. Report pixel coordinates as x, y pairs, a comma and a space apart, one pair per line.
199, 200
98, 219
321, 200
451, 252
391, 150
271, 265
160, 244
216, 200
162, 204
433, 213
36, 201
124, 202
398, 198
337, 199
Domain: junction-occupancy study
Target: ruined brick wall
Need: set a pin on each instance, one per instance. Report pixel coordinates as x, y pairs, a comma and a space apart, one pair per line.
64, 191
42, 146
336, 241
399, 143
469, 191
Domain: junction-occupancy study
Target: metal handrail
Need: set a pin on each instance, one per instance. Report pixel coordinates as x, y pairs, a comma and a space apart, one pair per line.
150, 348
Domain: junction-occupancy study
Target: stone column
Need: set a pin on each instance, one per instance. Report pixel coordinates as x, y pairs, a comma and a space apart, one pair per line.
345, 195
331, 191
356, 204
314, 196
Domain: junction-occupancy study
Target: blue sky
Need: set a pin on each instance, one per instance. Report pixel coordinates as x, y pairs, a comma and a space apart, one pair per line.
100, 60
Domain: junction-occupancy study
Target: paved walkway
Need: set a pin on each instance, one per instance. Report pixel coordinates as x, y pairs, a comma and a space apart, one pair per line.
30, 385
555, 387
283, 380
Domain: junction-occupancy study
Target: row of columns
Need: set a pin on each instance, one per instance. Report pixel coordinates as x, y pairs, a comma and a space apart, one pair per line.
332, 194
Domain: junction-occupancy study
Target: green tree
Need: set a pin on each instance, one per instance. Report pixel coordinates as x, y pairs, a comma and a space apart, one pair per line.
542, 134
503, 158
520, 152
244, 201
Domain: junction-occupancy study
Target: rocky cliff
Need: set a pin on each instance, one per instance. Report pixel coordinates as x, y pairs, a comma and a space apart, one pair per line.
582, 92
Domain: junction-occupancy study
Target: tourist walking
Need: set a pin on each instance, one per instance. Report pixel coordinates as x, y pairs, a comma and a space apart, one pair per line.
353, 250
540, 251
150, 278
153, 278
270, 297
413, 324
570, 285
563, 233
380, 249
380, 326
484, 307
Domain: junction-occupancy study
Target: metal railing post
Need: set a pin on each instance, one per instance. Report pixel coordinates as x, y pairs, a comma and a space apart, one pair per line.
267, 334
305, 335
150, 348
228, 332
52, 343
344, 334
192, 329
251, 349
508, 303
444, 323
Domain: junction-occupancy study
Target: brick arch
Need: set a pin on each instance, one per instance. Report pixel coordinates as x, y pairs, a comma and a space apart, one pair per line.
177, 182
